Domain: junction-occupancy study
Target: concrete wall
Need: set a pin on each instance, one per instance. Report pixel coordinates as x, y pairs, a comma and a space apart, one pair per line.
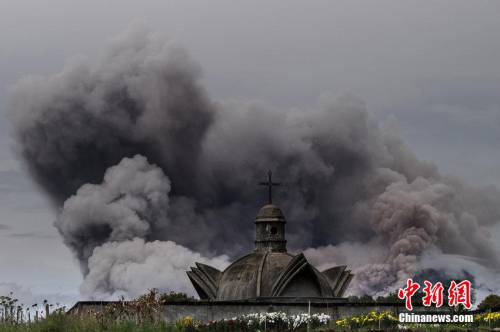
205, 312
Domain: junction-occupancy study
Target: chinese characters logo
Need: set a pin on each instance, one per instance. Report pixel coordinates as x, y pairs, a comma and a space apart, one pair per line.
458, 293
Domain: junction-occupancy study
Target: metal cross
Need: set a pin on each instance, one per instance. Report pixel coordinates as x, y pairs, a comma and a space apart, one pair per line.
270, 185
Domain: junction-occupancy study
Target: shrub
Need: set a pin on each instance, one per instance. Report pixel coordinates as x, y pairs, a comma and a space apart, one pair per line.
490, 302
371, 320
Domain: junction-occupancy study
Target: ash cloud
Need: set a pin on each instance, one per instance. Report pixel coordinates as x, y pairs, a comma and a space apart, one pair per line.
143, 98
130, 267
130, 202
352, 187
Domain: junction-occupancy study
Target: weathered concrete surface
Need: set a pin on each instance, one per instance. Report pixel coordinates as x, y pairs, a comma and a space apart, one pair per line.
269, 271
215, 311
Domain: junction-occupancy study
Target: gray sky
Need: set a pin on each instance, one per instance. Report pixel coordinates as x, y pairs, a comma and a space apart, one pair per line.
431, 65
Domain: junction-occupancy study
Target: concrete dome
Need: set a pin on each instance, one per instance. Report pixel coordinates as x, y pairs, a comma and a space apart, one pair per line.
268, 275
270, 211
269, 271
252, 275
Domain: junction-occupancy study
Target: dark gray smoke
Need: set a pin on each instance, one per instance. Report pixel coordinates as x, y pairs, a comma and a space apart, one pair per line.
143, 98
131, 202
352, 188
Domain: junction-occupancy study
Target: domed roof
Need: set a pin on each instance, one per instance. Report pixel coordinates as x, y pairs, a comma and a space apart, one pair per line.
269, 271
270, 211
252, 275
268, 275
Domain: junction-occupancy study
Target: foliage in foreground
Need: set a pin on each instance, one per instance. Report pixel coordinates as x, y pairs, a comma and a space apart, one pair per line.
490, 302
271, 321
144, 314
386, 321
373, 320
60, 322
489, 319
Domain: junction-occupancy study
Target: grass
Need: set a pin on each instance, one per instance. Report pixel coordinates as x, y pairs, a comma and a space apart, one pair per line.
60, 322
144, 314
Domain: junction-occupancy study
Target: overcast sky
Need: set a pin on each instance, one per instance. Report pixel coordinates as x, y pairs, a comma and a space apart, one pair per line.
433, 66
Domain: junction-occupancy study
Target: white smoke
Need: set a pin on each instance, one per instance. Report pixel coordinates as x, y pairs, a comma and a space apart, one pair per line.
127, 206
130, 268
130, 202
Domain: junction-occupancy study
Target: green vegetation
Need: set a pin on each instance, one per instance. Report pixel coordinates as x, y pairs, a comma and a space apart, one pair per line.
60, 322
490, 302
144, 314
372, 320
386, 321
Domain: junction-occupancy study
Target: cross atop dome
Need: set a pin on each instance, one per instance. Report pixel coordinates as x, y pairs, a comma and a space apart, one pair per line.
270, 185
270, 272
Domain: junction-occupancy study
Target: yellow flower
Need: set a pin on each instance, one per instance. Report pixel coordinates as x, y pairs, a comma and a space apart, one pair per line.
186, 322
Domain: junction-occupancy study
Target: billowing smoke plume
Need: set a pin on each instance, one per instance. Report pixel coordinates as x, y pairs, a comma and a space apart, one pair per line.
143, 98
353, 191
107, 225
130, 203
130, 267
411, 220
